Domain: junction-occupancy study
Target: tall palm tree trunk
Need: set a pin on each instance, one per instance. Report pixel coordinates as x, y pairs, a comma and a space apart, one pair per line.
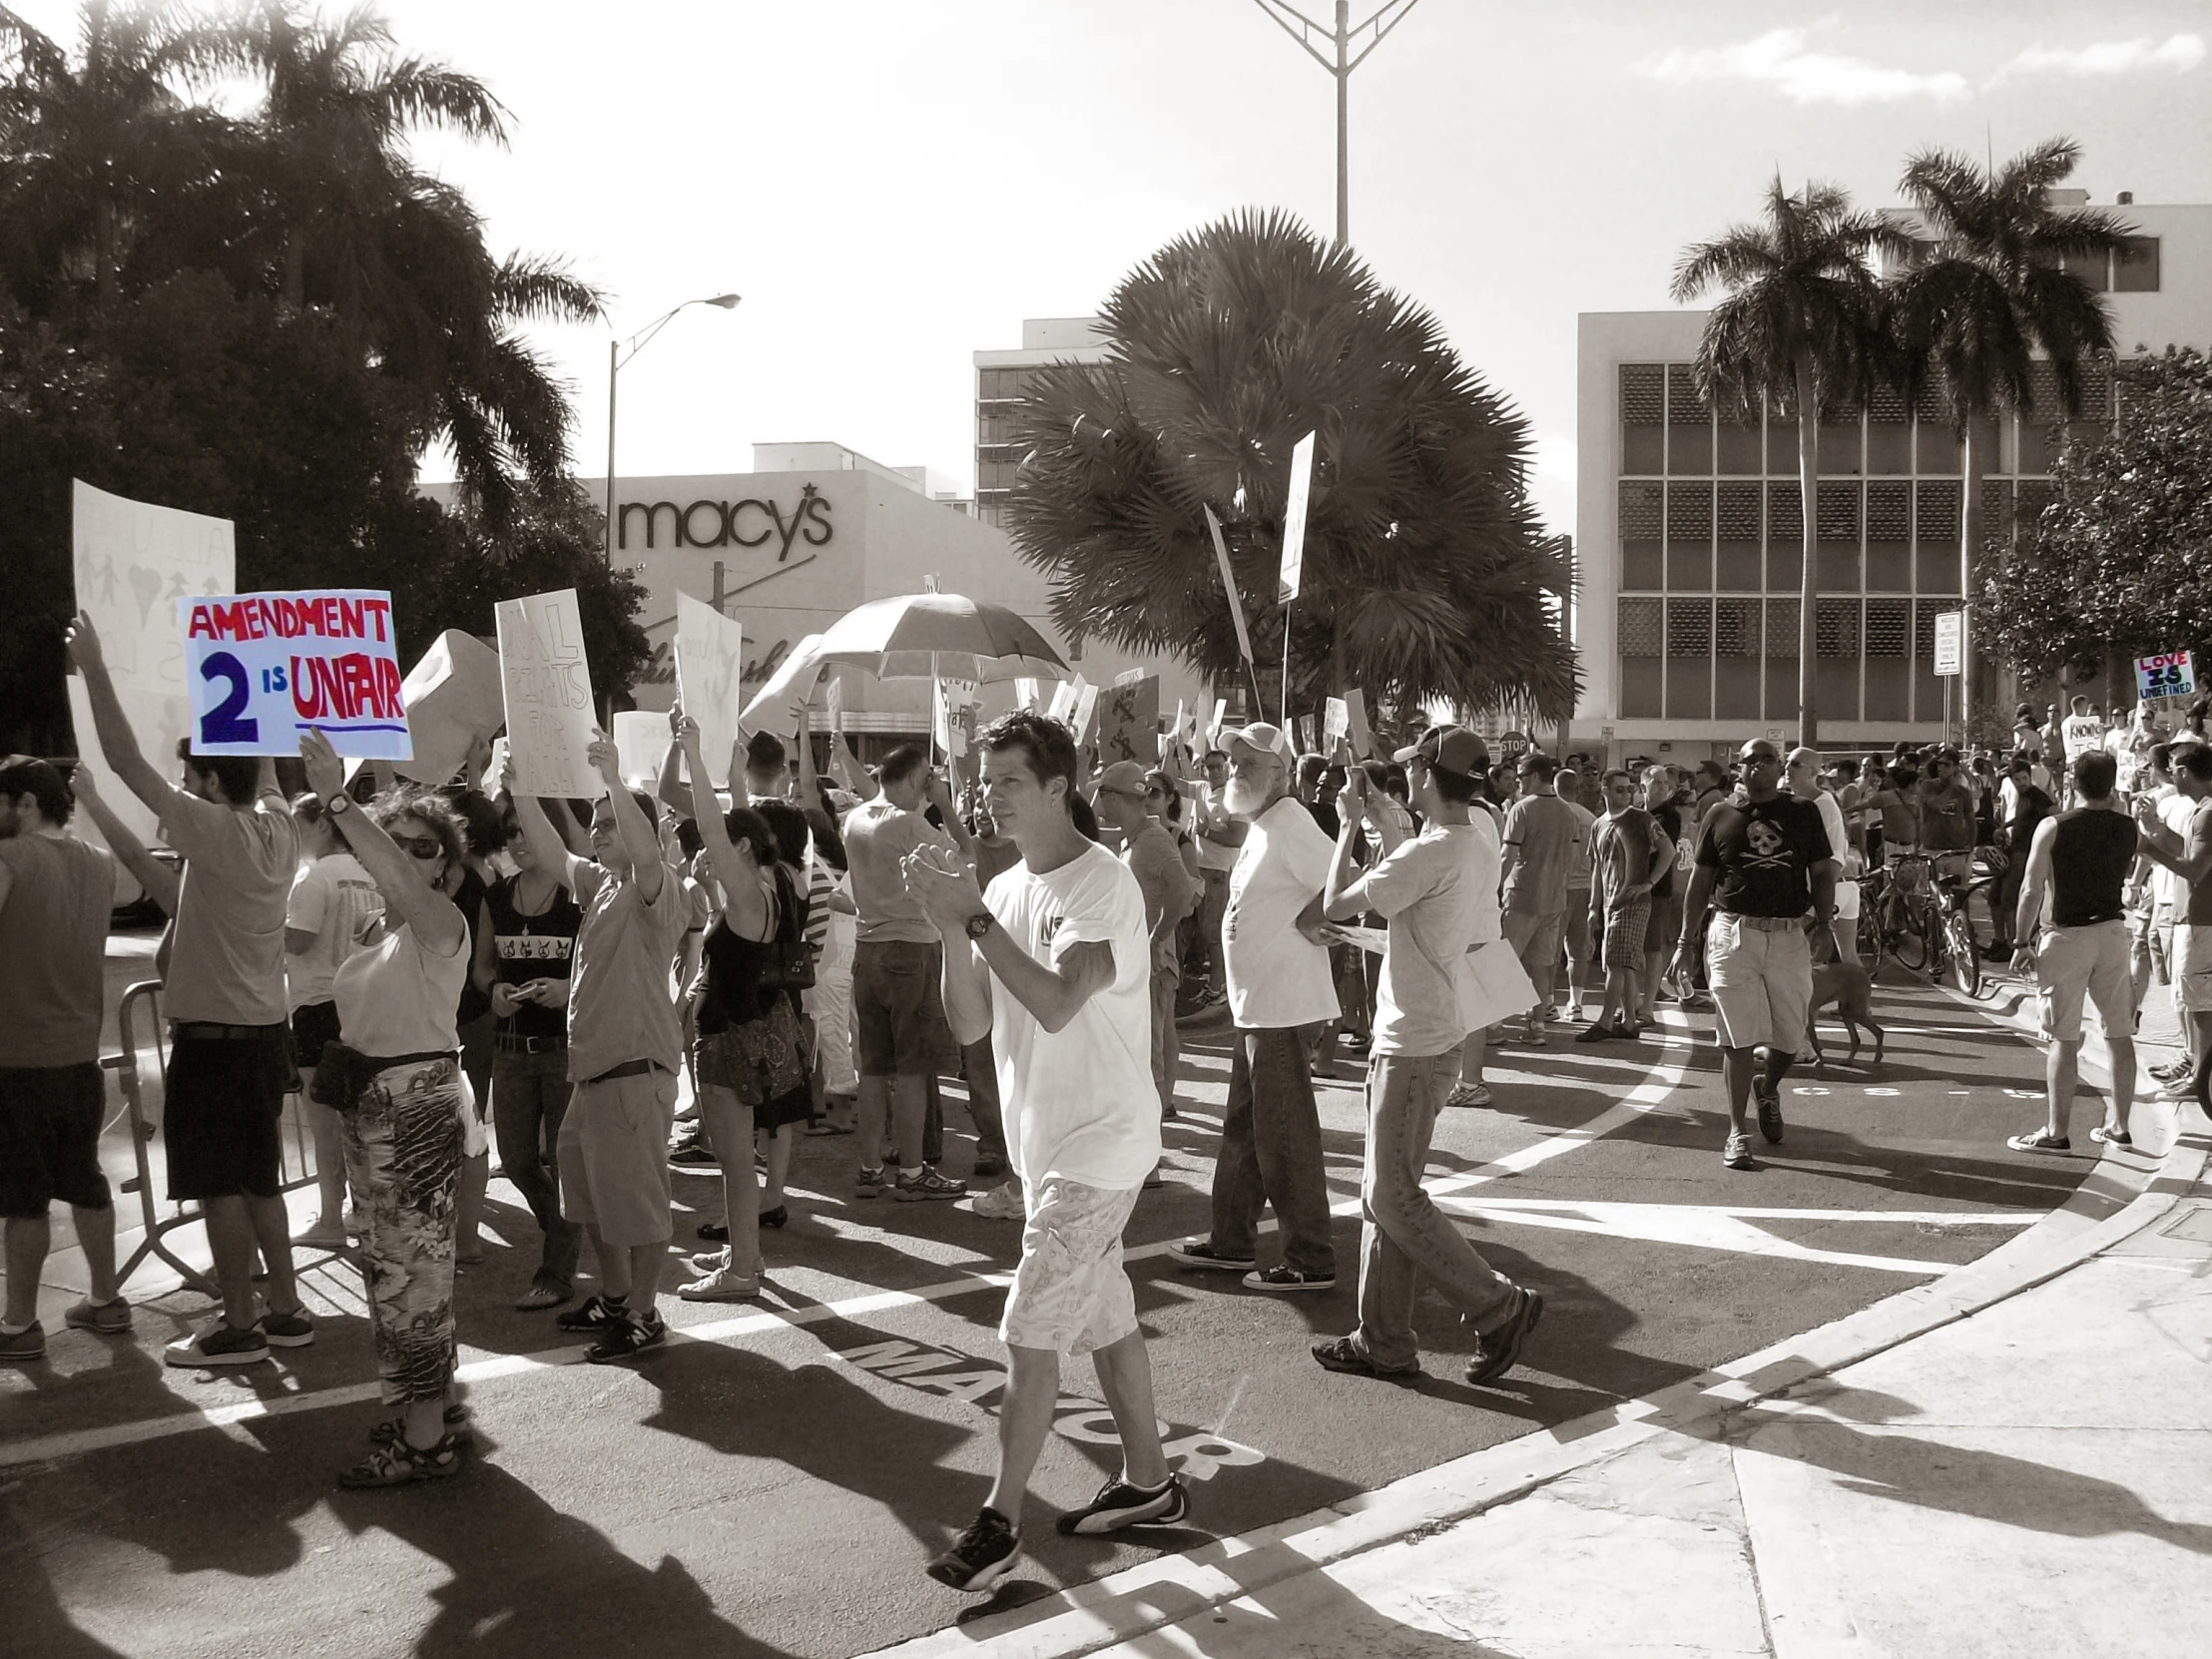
1809, 584
1969, 538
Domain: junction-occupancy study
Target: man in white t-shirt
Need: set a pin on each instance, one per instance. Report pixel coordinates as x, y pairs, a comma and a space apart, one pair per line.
1054, 962
1280, 981
1436, 893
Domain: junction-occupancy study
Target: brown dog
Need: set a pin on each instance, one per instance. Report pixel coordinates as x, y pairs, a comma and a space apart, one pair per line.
1849, 987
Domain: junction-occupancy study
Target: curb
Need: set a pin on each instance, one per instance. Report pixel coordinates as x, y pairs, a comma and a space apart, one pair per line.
1173, 1589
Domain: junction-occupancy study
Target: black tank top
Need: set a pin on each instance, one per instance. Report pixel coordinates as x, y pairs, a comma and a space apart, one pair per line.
526, 948
2093, 849
729, 994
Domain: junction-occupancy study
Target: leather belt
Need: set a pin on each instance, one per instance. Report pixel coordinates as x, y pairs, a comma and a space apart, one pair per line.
226, 1034
628, 1068
512, 1043
1767, 924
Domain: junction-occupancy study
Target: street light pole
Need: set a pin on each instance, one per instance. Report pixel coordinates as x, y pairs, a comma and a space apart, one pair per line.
616, 358
1303, 30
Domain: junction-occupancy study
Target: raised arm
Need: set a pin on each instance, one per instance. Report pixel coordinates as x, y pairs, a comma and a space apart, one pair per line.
743, 901
1344, 893
941, 797
159, 880
671, 789
546, 845
117, 743
1053, 993
435, 920
639, 837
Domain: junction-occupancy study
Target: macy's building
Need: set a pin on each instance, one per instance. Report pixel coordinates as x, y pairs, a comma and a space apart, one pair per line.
812, 531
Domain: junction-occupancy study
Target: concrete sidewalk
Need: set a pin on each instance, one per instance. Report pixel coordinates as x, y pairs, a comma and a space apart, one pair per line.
2016, 1459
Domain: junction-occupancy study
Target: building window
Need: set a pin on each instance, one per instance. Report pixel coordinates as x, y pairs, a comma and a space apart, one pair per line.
1643, 394
1785, 513
1689, 627
1782, 627
1640, 630
2136, 268
1642, 507
1837, 502
1690, 512
2090, 267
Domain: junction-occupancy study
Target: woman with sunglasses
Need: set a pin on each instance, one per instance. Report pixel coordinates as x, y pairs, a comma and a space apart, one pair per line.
406, 1117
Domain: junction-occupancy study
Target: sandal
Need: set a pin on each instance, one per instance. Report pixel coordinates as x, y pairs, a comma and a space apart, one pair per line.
456, 1426
826, 1127
401, 1464
714, 1232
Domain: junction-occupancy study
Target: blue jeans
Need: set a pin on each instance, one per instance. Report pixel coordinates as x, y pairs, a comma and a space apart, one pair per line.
1270, 1153
529, 1097
1403, 1235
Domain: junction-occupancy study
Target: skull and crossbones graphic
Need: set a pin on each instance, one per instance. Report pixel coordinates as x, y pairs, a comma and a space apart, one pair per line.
1767, 849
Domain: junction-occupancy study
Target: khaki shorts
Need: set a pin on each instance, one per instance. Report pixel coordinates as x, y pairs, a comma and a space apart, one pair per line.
1071, 1294
2071, 962
613, 1158
1536, 939
2192, 966
1762, 983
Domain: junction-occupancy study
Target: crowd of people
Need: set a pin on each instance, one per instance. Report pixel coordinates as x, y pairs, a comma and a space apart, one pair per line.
673, 980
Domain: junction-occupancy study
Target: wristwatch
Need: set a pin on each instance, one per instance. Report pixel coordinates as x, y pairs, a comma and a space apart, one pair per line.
339, 803
981, 924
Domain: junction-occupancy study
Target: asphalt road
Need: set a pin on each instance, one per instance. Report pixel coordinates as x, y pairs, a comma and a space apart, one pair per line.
773, 1481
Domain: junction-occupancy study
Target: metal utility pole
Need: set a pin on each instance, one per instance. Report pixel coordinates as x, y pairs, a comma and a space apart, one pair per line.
1340, 62
619, 353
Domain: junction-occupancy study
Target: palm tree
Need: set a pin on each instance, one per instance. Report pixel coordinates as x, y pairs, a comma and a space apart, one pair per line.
1427, 574
1989, 293
1801, 328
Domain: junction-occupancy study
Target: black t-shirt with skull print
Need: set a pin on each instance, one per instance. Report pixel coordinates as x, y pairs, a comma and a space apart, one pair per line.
1760, 854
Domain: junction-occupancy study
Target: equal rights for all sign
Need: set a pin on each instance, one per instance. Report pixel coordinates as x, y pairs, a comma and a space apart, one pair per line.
264, 667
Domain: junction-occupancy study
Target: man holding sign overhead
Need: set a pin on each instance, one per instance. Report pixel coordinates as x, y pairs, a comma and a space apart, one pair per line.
229, 1059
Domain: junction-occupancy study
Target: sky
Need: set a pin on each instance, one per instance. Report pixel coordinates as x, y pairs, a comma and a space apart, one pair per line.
893, 185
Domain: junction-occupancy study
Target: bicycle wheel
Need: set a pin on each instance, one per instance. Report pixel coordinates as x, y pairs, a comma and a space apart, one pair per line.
1965, 965
1870, 940
1908, 942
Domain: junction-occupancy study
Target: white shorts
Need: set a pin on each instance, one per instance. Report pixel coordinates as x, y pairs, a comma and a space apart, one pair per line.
2071, 962
1847, 901
2192, 966
1071, 1293
1762, 983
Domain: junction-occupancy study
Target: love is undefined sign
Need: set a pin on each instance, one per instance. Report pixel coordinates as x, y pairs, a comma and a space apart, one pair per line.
260, 668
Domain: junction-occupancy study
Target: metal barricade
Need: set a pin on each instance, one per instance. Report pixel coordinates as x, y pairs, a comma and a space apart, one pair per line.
296, 1168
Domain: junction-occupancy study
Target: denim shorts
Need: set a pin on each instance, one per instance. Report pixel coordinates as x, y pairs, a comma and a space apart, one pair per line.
898, 1009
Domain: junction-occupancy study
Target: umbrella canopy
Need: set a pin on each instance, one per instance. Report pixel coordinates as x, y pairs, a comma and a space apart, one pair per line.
918, 635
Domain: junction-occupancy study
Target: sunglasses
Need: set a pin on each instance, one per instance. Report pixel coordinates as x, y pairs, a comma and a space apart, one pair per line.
424, 848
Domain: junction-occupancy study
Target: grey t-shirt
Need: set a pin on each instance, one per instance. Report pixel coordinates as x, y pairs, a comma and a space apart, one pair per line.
227, 964
1431, 892
878, 836
1549, 835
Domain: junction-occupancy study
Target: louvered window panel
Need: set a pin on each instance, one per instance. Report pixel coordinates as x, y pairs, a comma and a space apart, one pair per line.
1924, 613
1643, 394
1838, 505
1785, 512
1999, 504
1689, 627
1737, 512
1689, 512
1642, 628
1888, 406
1782, 627
1836, 628
1736, 627
2033, 495
1644, 509
1888, 626
1889, 511
1937, 511
1932, 404
2096, 392
2042, 394
1684, 406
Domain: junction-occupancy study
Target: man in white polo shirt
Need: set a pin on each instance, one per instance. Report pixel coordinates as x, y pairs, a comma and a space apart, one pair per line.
1278, 982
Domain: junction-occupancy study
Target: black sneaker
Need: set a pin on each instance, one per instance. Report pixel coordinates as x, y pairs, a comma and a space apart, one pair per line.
1281, 1278
293, 1330
694, 1156
1769, 1096
1200, 1253
1120, 1505
1342, 1354
629, 1339
596, 1314
980, 1556
1497, 1352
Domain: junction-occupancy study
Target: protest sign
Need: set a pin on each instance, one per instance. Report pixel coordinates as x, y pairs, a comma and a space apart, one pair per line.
490, 782
1294, 518
131, 561
1361, 733
832, 697
547, 686
453, 700
260, 668
1306, 735
792, 686
710, 652
1229, 584
642, 738
1086, 705
1025, 692
1129, 677
2171, 674
1336, 723
950, 720
1129, 722
1063, 700
1214, 725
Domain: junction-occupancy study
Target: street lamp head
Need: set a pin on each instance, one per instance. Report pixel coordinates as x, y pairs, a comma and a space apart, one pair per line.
728, 301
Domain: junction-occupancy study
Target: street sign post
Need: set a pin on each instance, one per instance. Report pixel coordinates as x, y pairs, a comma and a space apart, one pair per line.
1950, 653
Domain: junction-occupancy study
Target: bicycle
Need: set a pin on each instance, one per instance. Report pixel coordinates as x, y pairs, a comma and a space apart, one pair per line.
1924, 920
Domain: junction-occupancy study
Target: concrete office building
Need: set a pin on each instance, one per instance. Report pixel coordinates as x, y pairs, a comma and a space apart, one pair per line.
1689, 530
1000, 380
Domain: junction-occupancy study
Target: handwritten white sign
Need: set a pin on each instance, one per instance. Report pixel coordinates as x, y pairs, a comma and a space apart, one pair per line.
709, 653
453, 700
547, 686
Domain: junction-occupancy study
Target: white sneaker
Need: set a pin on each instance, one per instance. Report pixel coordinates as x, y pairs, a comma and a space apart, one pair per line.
721, 1286
1002, 1202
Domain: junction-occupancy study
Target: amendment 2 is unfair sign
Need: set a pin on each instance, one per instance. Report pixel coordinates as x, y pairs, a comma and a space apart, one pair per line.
264, 667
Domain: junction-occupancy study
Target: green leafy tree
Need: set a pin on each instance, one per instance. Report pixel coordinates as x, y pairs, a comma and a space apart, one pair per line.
1798, 329
1987, 293
1425, 572
2115, 567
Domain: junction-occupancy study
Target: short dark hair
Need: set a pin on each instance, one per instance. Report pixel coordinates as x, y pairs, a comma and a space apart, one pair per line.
482, 822
2020, 763
2094, 772
1543, 767
789, 824
2196, 759
1086, 819
426, 807
688, 839
1606, 781
1046, 745
22, 775
750, 825
1456, 789
238, 776
1847, 766
902, 764
763, 751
